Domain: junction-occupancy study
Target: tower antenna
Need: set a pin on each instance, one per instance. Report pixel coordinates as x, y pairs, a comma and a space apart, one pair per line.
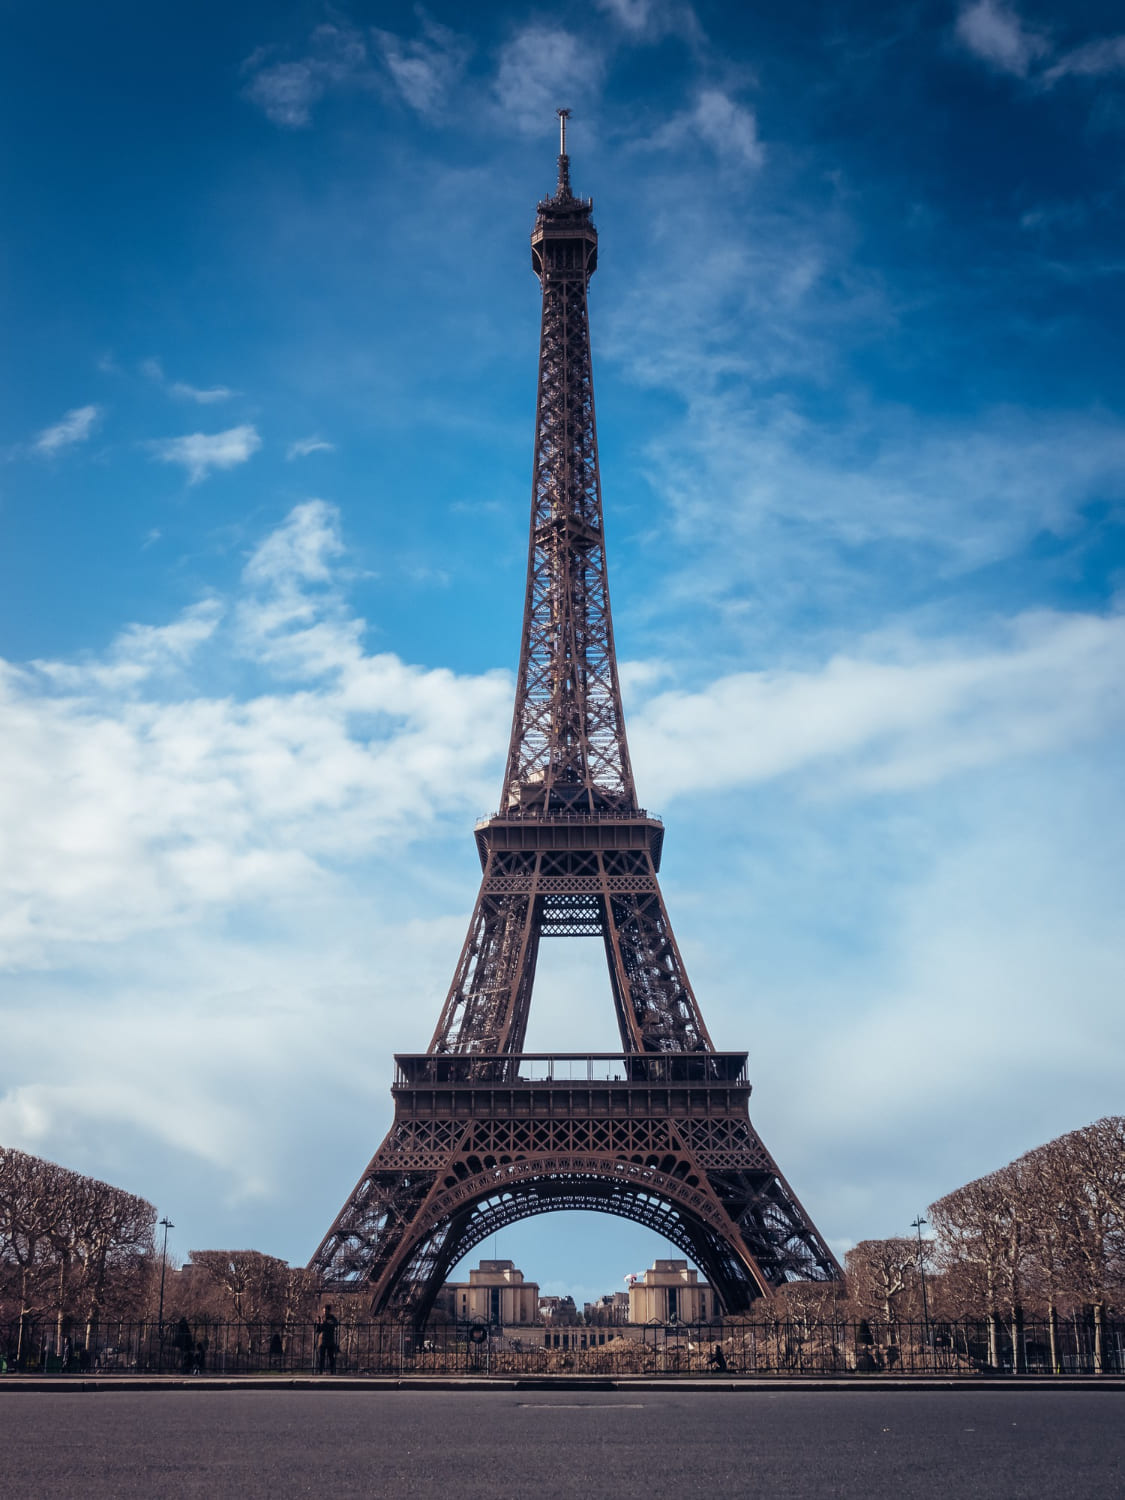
563, 189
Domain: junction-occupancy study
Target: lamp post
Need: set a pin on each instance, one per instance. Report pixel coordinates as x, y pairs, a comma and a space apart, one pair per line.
917, 1224
166, 1224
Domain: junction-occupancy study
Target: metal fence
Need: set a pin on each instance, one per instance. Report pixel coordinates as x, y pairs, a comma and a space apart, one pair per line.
1074, 1346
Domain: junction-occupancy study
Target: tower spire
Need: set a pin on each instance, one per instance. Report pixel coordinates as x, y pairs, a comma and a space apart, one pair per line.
563, 189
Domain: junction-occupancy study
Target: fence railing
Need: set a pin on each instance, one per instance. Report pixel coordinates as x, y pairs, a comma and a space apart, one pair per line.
1072, 1346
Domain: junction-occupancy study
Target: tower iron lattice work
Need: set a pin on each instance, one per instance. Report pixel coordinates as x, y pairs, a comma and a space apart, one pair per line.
485, 1134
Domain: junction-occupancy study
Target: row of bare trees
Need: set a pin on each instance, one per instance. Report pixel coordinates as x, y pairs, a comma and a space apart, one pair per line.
70, 1246
1045, 1233
77, 1249
245, 1286
1043, 1238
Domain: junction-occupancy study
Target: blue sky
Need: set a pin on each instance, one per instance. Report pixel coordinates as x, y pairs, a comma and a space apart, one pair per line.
264, 476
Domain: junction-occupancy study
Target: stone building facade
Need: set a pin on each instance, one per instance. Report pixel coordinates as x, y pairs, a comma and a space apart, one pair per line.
495, 1293
670, 1291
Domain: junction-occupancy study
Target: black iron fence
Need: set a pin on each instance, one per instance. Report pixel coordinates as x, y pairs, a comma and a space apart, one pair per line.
1067, 1346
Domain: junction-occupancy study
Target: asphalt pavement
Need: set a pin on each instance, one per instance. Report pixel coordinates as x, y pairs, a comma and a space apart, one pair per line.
492, 1445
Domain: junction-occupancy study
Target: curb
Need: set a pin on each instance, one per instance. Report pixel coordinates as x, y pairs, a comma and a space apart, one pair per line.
70, 1385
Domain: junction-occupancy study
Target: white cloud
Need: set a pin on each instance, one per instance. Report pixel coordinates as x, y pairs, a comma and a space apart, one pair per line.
766, 499
1092, 60
995, 32
544, 68
304, 446
205, 397
730, 129
132, 800
649, 20
201, 452
300, 551
919, 954
153, 369
426, 68
891, 722
139, 652
632, 15
286, 92
75, 427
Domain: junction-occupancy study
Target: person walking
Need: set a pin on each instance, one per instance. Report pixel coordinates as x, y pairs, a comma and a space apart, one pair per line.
183, 1342
327, 1335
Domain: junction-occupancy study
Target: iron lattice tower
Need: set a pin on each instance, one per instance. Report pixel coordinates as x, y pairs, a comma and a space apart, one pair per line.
485, 1134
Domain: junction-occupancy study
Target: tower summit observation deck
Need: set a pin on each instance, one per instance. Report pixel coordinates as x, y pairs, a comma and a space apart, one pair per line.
485, 1134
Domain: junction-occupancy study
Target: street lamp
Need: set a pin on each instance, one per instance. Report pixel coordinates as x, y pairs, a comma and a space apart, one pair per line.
917, 1224
167, 1224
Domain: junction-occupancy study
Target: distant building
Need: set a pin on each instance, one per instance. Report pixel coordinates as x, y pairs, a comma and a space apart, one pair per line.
495, 1293
560, 1310
610, 1311
671, 1292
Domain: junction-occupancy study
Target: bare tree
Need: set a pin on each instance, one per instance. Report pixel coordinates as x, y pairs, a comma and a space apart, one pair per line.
982, 1225
31, 1198
879, 1272
256, 1285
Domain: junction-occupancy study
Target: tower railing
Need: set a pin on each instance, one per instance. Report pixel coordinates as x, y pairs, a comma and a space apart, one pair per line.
426, 1069
541, 815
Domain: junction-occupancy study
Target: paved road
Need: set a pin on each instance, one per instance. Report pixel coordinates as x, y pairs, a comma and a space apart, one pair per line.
176, 1445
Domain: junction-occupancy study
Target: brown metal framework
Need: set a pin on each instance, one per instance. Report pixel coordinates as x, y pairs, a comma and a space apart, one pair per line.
485, 1134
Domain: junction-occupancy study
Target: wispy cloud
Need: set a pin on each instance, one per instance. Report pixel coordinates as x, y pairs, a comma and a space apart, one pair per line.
205, 397
426, 68
540, 70
133, 798
996, 33
299, 552
783, 468
649, 20
286, 91
153, 369
154, 826
75, 427
304, 446
202, 452
633, 15
1092, 60
729, 128
779, 498
904, 716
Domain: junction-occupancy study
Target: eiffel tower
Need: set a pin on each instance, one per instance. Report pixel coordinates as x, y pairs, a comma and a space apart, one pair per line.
483, 1133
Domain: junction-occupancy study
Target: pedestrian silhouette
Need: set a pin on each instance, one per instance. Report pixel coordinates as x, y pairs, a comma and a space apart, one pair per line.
327, 1332
184, 1342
